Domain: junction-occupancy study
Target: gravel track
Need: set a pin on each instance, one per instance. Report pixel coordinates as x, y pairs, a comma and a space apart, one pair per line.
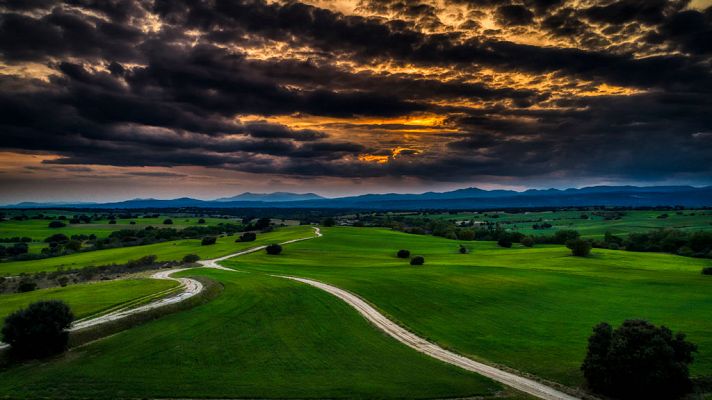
413, 341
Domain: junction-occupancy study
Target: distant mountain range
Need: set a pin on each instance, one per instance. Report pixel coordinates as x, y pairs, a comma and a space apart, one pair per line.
461, 199
272, 197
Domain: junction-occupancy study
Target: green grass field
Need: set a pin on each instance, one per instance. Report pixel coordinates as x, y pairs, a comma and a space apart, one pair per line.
88, 298
38, 230
166, 251
529, 309
263, 337
594, 227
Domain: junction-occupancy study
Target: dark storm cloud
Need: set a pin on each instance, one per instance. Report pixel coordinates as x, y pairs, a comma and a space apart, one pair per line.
514, 14
127, 91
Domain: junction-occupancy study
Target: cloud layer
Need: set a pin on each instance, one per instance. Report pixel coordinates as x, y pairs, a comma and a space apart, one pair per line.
491, 91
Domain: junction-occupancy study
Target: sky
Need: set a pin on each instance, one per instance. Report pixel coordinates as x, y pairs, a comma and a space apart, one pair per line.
115, 99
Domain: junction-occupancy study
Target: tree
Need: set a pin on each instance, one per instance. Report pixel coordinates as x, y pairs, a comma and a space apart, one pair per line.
504, 242
208, 240
26, 285
273, 249
39, 330
201, 221
57, 224
190, 258
327, 222
263, 223
638, 360
247, 237
527, 241
565, 235
707, 271
167, 221
403, 253
579, 247
463, 249
417, 260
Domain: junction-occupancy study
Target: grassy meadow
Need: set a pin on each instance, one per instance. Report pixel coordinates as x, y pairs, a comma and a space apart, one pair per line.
87, 299
529, 309
593, 227
165, 251
38, 229
263, 337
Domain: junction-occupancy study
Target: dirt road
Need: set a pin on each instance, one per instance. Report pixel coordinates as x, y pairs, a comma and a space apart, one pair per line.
411, 340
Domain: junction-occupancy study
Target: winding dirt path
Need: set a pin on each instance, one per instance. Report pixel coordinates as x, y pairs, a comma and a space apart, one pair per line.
413, 341
190, 287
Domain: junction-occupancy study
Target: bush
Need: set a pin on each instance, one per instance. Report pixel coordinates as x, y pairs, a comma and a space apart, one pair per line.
26, 285
39, 330
57, 224
273, 249
707, 271
579, 247
201, 221
463, 249
403, 253
504, 242
528, 241
190, 258
208, 240
167, 221
638, 360
247, 237
417, 260
112, 222
57, 237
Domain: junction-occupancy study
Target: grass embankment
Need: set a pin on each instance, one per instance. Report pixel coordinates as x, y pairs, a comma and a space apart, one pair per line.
88, 299
529, 309
263, 337
166, 251
593, 227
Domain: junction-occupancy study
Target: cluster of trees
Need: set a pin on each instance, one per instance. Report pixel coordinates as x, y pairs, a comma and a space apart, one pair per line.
247, 237
38, 331
690, 244
638, 361
16, 239
416, 260
14, 250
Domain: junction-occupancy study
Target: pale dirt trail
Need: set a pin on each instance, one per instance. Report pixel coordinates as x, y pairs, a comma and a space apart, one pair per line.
415, 342
190, 287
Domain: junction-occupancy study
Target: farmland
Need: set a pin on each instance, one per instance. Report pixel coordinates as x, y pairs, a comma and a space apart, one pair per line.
89, 298
591, 224
529, 309
262, 338
165, 251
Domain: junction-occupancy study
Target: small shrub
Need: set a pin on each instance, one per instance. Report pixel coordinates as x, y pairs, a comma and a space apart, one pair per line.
208, 240
504, 242
528, 241
273, 249
579, 247
26, 285
638, 361
403, 253
167, 221
201, 221
707, 271
463, 249
417, 260
38, 331
57, 224
191, 258
247, 237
